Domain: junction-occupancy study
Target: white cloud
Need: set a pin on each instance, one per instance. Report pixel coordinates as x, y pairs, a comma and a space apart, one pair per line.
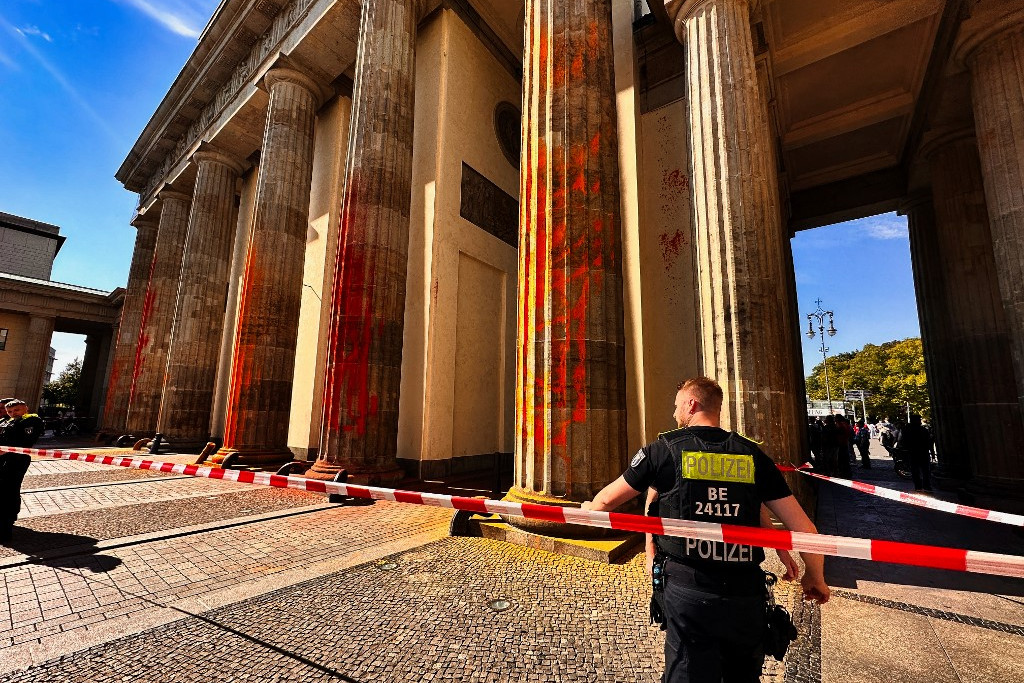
34, 31
183, 17
888, 226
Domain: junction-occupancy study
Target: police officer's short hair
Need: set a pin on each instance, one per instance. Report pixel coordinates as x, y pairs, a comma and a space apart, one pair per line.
707, 391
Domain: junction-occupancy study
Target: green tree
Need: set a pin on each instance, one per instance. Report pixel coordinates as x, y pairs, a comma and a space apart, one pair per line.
63, 391
893, 372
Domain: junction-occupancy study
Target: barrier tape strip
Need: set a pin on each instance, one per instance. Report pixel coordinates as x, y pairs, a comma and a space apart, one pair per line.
840, 546
913, 498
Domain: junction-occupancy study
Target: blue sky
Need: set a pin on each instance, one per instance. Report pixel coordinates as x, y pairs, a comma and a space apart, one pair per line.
861, 272
79, 80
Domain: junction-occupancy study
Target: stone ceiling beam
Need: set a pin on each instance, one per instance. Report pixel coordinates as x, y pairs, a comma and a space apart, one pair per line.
864, 113
862, 28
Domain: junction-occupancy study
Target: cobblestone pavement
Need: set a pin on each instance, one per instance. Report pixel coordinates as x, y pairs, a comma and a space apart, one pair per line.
262, 584
63, 500
415, 616
42, 480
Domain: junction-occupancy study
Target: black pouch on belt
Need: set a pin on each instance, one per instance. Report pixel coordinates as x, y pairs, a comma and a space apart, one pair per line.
779, 631
658, 591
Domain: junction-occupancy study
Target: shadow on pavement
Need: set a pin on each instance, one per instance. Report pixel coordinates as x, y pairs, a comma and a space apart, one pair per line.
58, 549
845, 512
336, 675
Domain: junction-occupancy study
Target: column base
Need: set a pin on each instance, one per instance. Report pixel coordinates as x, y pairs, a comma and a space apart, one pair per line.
325, 470
946, 479
996, 493
612, 550
255, 456
551, 529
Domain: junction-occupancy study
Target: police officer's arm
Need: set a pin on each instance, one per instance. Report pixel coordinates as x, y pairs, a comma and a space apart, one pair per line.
649, 548
611, 496
794, 518
792, 568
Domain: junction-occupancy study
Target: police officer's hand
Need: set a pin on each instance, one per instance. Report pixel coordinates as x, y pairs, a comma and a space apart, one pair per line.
815, 588
792, 568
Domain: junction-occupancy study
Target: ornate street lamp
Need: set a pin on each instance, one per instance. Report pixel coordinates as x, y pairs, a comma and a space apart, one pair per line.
820, 314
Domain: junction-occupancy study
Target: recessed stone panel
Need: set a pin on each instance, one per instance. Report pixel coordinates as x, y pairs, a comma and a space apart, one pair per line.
489, 207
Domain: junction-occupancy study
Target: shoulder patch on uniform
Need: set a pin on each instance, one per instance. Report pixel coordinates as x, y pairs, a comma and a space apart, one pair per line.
638, 458
751, 440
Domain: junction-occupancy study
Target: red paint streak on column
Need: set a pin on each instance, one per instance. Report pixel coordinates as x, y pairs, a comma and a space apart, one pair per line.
148, 305
240, 377
352, 325
357, 317
115, 375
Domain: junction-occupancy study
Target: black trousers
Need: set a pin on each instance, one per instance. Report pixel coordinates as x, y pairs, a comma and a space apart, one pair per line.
715, 630
13, 467
919, 470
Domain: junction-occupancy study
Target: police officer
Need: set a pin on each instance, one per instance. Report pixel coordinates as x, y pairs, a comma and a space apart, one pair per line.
20, 429
715, 599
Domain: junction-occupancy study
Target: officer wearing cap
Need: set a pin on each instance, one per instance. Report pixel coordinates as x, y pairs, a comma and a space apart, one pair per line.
20, 429
714, 592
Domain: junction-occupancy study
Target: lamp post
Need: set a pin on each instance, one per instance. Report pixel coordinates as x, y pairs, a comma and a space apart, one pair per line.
820, 315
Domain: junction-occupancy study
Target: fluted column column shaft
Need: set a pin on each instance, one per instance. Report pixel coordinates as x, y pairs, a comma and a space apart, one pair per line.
748, 344
997, 75
115, 411
570, 380
978, 329
36, 351
199, 319
259, 397
364, 361
157, 316
932, 302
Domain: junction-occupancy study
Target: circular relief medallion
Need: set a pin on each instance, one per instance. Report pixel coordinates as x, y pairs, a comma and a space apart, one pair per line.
508, 129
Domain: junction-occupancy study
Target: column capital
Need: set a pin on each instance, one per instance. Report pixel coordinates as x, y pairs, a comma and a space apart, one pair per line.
170, 194
287, 74
208, 154
940, 138
914, 201
146, 221
680, 10
988, 22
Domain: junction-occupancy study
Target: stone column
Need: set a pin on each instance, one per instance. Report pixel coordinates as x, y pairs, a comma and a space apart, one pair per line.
745, 308
570, 383
936, 338
994, 50
259, 399
87, 381
978, 332
150, 362
364, 357
115, 411
199, 320
29, 386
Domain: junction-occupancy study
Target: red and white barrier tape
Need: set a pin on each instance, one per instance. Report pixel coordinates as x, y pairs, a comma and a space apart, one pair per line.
860, 548
914, 499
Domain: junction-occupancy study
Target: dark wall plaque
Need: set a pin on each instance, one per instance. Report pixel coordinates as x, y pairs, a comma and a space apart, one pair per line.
487, 206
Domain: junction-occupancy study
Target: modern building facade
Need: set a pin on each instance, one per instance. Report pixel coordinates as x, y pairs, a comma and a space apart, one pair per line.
398, 236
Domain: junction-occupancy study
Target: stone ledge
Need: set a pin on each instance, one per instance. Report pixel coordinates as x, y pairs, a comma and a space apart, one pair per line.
608, 550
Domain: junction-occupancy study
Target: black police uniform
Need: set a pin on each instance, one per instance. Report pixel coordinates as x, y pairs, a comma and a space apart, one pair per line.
714, 592
22, 432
